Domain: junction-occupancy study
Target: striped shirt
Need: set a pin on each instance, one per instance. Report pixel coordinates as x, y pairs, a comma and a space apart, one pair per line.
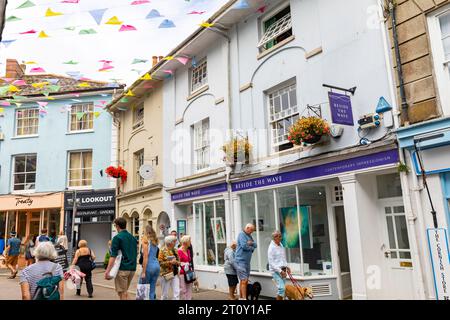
32, 274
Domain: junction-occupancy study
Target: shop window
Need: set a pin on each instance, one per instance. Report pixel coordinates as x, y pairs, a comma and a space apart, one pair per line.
201, 144
199, 75
300, 214
22, 227
80, 169
276, 28
81, 117
283, 113
27, 121
210, 232
389, 186
11, 222
338, 195
138, 116
2, 231
135, 230
53, 222
138, 161
24, 175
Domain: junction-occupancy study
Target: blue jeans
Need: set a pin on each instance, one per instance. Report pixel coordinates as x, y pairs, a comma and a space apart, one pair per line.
151, 277
280, 283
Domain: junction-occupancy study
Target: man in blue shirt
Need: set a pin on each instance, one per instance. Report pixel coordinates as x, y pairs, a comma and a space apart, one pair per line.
245, 247
13, 251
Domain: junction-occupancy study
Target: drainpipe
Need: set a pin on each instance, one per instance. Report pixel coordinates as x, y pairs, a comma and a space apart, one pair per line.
3, 4
410, 215
393, 14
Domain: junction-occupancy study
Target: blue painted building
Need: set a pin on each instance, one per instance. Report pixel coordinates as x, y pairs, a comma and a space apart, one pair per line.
55, 139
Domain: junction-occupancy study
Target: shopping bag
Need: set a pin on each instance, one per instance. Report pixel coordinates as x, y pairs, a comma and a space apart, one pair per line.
116, 266
70, 285
143, 292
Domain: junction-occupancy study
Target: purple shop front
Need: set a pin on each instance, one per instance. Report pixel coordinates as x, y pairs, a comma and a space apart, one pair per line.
217, 188
353, 164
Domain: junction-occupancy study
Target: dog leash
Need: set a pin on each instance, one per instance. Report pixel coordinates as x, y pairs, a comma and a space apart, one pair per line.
296, 284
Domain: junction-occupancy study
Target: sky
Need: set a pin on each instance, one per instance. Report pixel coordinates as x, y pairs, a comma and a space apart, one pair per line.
108, 44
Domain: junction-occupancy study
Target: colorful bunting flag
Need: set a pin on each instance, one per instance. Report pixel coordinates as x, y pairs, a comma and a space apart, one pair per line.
19, 83
135, 61
26, 4
31, 62
29, 32
12, 19
5, 103
70, 62
167, 24
80, 115
129, 94
87, 31
168, 58
127, 27
197, 12
42, 34
6, 43
114, 21
70, 28
146, 76
153, 14
13, 88
84, 85
96, 114
51, 13
183, 60
206, 24
42, 104
54, 88
98, 15
139, 2
261, 9
39, 85
242, 4
35, 70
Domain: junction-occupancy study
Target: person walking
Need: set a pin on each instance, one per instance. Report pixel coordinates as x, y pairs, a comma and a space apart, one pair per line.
84, 259
62, 240
169, 262
230, 270
175, 234
12, 254
186, 260
127, 245
29, 277
245, 247
278, 263
42, 237
29, 249
150, 264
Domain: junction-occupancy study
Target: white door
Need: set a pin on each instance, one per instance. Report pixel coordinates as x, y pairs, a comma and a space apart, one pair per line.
397, 251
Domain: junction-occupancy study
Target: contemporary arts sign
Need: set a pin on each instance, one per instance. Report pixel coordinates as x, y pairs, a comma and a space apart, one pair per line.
358, 163
438, 245
217, 188
341, 108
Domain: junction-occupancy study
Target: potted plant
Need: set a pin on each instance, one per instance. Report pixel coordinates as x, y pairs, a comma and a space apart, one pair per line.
308, 130
237, 150
117, 173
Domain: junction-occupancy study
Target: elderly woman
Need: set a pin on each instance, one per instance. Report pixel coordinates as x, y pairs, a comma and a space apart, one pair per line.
169, 262
84, 259
277, 263
230, 270
186, 264
44, 254
150, 264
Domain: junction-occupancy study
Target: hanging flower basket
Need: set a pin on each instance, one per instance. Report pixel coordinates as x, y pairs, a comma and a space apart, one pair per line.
308, 130
117, 173
237, 151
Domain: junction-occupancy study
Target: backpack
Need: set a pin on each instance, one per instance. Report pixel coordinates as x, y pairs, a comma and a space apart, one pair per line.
48, 287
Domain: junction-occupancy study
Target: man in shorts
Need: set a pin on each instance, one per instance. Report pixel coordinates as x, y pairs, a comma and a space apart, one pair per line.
245, 247
127, 244
13, 250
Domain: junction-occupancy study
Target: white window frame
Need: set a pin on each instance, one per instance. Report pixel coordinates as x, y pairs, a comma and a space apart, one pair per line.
82, 168
265, 38
138, 118
27, 119
441, 66
73, 117
202, 150
13, 173
194, 84
288, 113
138, 162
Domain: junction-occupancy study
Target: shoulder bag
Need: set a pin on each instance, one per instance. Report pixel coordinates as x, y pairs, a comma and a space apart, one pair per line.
189, 275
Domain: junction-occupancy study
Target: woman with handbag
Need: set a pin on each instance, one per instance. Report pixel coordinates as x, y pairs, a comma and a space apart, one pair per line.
85, 260
169, 262
29, 249
187, 274
150, 263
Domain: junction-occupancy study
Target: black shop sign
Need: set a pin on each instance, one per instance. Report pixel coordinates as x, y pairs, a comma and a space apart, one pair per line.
61, 259
88, 200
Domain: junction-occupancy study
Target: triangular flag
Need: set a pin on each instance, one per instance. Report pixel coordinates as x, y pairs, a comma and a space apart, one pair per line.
206, 24
168, 58
96, 114
51, 13
70, 62
262, 9
42, 34
19, 83
46, 93
129, 94
2, 109
39, 84
194, 62
26, 4
84, 85
31, 62
242, 4
51, 98
12, 19
73, 74
167, 24
98, 15
52, 81
37, 70
183, 60
42, 104
80, 115
5, 103
6, 43
70, 28
87, 31
103, 101
196, 12
3, 90
13, 89
146, 76
127, 27
139, 61
28, 32
168, 72
153, 14
114, 20
139, 2
54, 88
124, 100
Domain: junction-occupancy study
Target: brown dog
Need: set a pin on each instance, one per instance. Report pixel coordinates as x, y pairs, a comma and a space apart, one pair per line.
295, 293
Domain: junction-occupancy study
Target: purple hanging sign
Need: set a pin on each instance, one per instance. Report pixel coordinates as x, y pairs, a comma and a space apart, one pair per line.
217, 188
341, 108
358, 163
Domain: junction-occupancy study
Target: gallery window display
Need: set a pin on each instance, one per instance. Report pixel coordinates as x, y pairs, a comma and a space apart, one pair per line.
210, 232
300, 213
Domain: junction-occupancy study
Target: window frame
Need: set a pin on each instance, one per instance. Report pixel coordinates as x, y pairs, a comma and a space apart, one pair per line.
82, 169
203, 148
138, 156
16, 134
272, 13
13, 173
270, 122
204, 83
441, 65
138, 120
90, 117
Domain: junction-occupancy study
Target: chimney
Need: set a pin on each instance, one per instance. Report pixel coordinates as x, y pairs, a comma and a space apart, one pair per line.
14, 69
154, 60
160, 58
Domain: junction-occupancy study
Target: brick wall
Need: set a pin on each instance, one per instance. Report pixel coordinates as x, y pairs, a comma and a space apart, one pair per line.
417, 61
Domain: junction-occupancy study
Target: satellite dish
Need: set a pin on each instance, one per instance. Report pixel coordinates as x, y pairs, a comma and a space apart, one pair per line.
146, 172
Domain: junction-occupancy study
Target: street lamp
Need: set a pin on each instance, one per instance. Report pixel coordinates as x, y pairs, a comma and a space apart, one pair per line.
74, 205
